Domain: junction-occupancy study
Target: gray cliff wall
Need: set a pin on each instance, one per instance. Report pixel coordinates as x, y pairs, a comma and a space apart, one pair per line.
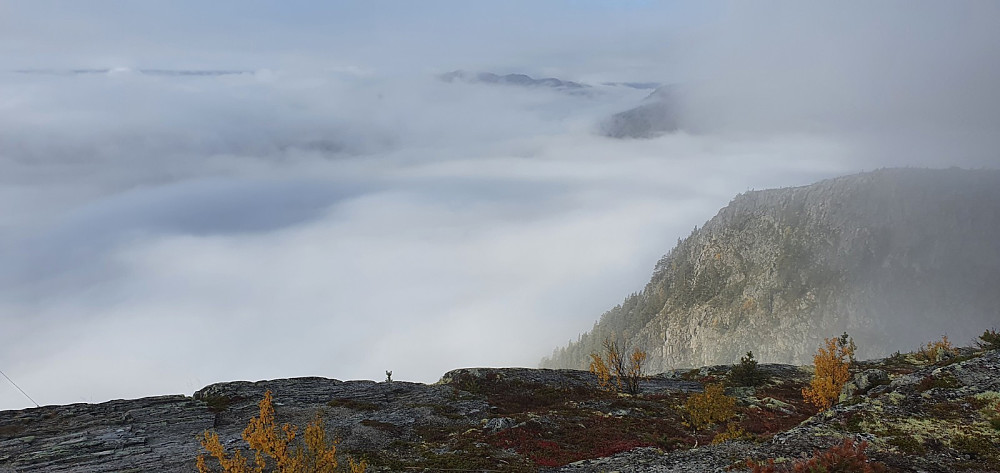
894, 257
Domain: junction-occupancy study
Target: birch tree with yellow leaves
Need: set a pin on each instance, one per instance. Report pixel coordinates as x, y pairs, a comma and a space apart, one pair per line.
614, 371
832, 362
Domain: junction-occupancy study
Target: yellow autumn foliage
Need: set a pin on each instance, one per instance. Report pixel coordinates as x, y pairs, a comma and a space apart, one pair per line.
273, 449
832, 362
733, 432
614, 372
930, 351
710, 407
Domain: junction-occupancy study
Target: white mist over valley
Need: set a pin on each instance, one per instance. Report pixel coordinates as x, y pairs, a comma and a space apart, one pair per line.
253, 191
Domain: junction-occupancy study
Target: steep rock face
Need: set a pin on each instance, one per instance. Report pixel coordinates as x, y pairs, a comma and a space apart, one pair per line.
895, 257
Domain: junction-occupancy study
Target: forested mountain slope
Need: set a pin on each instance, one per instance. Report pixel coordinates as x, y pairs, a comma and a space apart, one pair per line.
895, 257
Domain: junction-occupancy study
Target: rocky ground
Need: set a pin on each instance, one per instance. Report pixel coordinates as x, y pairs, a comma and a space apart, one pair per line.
915, 415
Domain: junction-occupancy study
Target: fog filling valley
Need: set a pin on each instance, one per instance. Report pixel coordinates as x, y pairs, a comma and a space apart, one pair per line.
241, 191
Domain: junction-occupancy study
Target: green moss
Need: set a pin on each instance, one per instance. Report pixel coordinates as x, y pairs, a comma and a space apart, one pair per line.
218, 403
988, 397
976, 445
856, 423
922, 427
995, 423
895, 398
908, 444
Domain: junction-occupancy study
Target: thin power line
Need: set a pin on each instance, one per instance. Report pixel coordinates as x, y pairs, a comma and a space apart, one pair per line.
19, 389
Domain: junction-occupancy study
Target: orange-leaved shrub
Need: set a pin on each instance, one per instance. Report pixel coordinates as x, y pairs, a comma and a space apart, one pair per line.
847, 457
832, 362
273, 449
614, 371
709, 407
932, 350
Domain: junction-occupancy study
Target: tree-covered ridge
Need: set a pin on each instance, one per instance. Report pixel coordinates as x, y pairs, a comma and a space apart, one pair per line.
883, 255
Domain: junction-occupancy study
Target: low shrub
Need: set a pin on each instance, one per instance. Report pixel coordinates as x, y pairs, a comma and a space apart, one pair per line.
932, 382
733, 432
710, 407
847, 457
932, 350
616, 372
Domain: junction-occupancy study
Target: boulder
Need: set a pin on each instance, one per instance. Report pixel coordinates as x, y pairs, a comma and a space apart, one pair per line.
863, 382
498, 424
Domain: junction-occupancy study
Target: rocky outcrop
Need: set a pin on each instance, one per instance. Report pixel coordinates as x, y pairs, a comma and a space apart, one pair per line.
161, 433
150, 434
917, 415
895, 257
932, 419
863, 382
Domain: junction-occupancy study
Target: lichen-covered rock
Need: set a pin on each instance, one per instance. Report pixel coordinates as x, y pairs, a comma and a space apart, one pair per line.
928, 417
904, 428
863, 382
498, 424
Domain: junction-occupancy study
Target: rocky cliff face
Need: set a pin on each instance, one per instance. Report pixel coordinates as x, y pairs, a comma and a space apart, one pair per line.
895, 257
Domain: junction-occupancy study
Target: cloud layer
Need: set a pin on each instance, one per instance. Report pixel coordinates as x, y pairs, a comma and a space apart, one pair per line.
338, 211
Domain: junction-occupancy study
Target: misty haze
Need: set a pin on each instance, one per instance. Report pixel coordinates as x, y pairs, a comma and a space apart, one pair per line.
202, 193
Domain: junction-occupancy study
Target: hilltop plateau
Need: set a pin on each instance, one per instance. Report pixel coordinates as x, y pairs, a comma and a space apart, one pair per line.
914, 414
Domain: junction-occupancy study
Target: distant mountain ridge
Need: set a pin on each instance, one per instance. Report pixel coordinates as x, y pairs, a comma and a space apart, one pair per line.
522, 80
895, 257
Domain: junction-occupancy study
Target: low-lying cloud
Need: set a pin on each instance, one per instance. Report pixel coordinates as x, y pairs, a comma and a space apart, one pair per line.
162, 231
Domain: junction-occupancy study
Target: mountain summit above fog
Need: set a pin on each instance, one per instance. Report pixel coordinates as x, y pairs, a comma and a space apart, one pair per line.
522, 80
657, 115
895, 257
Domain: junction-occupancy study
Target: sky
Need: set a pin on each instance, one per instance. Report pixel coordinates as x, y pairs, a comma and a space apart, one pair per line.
329, 207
